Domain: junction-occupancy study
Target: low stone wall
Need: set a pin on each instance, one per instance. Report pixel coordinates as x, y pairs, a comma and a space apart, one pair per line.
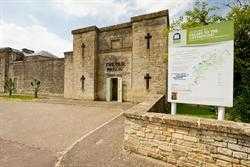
185, 141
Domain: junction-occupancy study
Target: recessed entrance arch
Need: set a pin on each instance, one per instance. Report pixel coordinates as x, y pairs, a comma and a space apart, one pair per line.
114, 89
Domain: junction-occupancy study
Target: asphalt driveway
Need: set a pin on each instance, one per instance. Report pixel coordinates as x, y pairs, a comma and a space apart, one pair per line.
104, 148
36, 133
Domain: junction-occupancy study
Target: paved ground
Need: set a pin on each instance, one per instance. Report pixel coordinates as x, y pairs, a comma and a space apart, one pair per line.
33, 133
36, 134
14, 154
104, 148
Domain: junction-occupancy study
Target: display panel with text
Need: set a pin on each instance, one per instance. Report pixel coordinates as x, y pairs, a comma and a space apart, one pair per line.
200, 65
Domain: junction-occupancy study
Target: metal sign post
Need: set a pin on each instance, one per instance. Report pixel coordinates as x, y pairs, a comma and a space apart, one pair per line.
221, 113
173, 108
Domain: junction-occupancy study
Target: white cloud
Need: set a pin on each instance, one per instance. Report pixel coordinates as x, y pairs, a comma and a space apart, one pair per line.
104, 9
33, 19
113, 10
38, 37
174, 6
35, 37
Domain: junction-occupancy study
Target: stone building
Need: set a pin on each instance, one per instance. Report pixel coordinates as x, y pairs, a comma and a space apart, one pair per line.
24, 66
124, 62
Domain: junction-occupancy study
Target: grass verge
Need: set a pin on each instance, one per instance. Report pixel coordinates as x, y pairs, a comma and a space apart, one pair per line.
17, 97
196, 110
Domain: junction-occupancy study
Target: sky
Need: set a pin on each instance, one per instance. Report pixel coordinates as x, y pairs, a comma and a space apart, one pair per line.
47, 24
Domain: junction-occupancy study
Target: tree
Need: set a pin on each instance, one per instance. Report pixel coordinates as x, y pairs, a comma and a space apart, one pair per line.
9, 85
201, 14
240, 14
36, 87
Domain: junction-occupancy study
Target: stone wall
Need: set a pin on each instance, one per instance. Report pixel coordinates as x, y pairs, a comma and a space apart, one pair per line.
49, 71
23, 69
4, 66
186, 141
83, 63
7, 55
125, 72
150, 60
115, 38
115, 46
124, 48
68, 75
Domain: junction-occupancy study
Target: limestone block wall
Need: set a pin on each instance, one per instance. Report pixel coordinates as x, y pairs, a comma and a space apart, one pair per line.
123, 45
84, 64
3, 70
23, 69
149, 60
49, 71
68, 75
114, 46
7, 55
186, 141
115, 38
125, 73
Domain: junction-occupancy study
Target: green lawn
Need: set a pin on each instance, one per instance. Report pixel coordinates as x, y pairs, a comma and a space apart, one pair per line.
196, 110
17, 97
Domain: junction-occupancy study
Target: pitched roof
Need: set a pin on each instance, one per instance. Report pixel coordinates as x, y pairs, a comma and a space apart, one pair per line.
9, 49
43, 54
40, 53
46, 54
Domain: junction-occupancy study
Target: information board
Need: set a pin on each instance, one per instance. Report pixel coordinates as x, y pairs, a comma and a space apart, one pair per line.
200, 65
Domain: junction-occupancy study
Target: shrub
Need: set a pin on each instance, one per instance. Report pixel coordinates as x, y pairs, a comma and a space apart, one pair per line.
36, 87
9, 85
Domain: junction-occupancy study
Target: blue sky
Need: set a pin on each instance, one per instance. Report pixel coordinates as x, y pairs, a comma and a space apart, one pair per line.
47, 24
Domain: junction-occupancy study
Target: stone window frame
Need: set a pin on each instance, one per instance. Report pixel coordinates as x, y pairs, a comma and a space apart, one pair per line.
115, 39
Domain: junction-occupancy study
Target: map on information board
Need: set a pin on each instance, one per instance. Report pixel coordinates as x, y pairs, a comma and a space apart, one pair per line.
200, 65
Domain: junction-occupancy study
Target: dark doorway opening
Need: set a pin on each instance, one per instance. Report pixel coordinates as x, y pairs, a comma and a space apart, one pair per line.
114, 89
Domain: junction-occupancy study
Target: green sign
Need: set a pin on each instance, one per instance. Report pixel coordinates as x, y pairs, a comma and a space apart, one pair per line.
211, 33
200, 65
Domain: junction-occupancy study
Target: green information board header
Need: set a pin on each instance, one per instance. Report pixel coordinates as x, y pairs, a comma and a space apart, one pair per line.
211, 33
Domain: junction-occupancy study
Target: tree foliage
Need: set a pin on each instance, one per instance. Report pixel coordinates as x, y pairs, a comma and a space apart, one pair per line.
9, 86
240, 14
201, 14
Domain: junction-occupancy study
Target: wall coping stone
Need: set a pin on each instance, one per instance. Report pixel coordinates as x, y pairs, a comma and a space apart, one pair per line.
116, 27
149, 16
141, 111
39, 60
83, 30
68, 53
